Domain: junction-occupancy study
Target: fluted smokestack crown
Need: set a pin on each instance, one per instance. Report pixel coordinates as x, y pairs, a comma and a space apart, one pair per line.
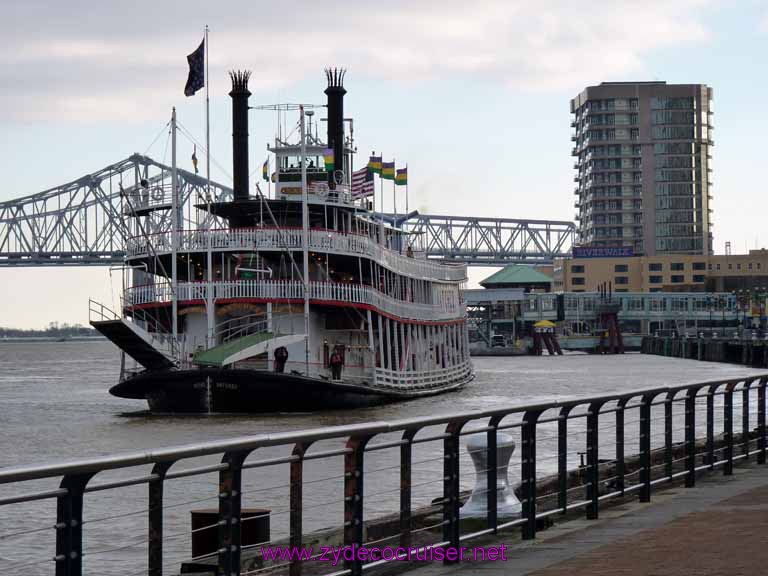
335, 93
239, 95
240, 81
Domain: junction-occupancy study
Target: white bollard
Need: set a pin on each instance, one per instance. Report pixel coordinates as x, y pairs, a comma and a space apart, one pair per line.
507, 503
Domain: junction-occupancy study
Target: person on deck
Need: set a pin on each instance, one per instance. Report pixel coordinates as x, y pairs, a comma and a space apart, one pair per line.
336, 363
281, 357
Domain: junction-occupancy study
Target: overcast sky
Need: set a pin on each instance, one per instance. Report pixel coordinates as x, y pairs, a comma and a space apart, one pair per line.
474, 96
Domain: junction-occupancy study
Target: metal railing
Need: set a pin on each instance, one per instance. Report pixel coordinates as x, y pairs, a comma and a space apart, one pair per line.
98, 312
290, 238
240, 326
546, 432
449, 308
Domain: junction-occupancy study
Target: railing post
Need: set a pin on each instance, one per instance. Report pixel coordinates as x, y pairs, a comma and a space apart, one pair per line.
728, 428
761, 440
668, 459
406, 461
645, 447
528, 475
745, 418
711, 426
296, 503
562, 458
492, 473
353, 499
155, 520
69, 526
593, 460
620, 464
230, 501
690, 436
451, 472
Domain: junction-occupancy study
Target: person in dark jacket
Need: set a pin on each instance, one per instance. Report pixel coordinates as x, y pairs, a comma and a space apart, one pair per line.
281, 357
336, 362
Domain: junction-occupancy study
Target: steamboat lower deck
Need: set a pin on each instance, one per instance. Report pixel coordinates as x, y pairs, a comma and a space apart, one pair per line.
261, 391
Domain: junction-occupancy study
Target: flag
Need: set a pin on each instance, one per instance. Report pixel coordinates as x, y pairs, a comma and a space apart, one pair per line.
265, 170
374, 163
196, 78
362, 183
388, 170
401, 178
194, 158
328, 159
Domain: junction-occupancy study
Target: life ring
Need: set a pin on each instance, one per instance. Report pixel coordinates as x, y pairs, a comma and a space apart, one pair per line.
157, 194
321, 190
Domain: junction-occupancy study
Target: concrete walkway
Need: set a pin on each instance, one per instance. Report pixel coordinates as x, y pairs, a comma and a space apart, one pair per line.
718, 528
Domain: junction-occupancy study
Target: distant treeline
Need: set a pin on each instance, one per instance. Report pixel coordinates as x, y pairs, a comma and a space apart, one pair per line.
54, 330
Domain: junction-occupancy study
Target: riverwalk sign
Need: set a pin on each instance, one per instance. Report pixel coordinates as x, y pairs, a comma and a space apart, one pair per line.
602, 251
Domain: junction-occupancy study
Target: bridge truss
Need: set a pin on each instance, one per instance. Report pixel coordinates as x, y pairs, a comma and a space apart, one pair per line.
493, 241
82, 223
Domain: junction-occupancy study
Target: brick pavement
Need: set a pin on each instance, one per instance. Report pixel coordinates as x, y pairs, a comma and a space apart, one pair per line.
718, 528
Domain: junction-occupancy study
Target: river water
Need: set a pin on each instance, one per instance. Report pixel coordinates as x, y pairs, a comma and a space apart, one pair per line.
54, 406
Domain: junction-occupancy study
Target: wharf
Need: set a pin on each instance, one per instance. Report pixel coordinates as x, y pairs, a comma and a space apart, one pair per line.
714, 529
749, 352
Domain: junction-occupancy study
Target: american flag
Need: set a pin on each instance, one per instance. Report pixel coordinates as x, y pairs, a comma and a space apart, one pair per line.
362, 183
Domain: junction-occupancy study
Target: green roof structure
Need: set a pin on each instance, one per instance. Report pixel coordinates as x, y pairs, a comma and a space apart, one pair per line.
516, 276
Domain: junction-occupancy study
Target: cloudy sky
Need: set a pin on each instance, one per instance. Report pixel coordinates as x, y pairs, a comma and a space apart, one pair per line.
474, 96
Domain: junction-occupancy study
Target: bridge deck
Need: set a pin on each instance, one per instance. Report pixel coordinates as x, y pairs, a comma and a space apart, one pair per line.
716, 528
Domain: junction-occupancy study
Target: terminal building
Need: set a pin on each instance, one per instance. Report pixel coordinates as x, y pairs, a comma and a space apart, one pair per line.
512, 301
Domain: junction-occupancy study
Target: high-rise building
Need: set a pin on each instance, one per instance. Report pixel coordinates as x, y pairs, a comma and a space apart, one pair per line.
643, 177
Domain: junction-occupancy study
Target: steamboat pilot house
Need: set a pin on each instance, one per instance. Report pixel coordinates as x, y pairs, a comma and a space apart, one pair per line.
309, 270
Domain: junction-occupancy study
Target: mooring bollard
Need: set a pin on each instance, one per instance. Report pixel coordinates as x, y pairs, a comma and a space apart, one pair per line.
507, 502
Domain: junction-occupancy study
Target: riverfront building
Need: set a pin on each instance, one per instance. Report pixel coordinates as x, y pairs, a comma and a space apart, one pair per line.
745, 273
642, 152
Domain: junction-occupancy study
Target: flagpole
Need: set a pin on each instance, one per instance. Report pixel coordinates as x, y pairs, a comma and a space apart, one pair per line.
207, 115
406, 189
381, 217
210, 313
394, 185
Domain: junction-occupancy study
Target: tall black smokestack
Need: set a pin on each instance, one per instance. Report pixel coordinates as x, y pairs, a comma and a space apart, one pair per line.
240, 96
335, 93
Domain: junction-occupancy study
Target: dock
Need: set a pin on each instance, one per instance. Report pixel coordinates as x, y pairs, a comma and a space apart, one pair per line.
747, 351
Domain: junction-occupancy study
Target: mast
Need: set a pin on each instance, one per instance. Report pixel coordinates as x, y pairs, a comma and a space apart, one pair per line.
305, 237
174, 231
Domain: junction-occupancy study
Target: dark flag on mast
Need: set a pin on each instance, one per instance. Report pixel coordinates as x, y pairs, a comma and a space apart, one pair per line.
196, 78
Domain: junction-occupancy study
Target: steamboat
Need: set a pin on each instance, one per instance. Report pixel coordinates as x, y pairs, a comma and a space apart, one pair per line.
301, 299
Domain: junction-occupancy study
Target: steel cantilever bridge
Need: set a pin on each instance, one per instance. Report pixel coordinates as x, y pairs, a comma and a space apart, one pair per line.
81, 223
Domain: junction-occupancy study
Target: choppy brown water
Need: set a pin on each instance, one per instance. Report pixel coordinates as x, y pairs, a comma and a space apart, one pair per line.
54, 406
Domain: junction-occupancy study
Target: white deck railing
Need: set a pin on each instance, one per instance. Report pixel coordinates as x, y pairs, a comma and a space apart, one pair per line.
423, 379
248, 239
447, 309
